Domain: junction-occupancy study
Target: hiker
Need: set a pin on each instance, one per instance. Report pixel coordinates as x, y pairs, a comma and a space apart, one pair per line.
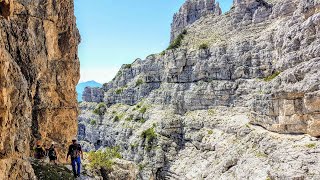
39, 152
75, 152
52, 153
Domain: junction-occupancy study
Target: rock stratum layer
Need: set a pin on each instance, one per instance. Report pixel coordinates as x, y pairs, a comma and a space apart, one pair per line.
237, 99
39, 69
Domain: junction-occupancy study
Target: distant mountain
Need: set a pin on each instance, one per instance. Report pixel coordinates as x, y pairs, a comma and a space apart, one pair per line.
81, 86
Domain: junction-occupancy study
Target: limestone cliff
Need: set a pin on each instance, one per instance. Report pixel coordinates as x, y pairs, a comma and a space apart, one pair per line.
236, 98
39, 69
191, 11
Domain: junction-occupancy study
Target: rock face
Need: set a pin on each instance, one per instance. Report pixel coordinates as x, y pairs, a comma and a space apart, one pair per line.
238, 99
92, 94
39, 69
191, 11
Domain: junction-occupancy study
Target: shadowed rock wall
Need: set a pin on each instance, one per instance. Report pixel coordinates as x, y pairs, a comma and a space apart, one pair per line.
39, 69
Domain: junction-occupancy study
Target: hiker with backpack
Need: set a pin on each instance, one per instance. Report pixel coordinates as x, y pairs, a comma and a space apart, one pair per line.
75, 152
39, 151
52, 153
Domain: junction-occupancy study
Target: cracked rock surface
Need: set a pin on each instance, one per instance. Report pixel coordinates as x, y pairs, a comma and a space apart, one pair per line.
39, 69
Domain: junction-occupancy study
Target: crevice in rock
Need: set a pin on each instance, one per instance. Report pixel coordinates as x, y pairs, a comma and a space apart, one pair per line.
35, 113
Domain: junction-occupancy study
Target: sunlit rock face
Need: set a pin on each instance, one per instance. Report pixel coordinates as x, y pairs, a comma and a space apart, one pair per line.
39, 69
191, 11
238, 99
262, 55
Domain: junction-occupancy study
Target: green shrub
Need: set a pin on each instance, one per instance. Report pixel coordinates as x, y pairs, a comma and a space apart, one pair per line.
93, 122
141, 166
134, 145
142, 120
116, 119
139, 82
127, 66
271, 77
311, 145
177, 42
139, 106
130, 117
119, 91
204, 46
149, 135
163, 53
210, 132
143, 110
103, 159
100, 109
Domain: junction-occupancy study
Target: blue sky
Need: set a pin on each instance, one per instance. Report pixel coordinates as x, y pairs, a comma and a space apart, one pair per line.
117, 32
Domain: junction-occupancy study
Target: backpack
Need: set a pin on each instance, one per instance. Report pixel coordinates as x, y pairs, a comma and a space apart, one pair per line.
74, 151
52, 153
39, 153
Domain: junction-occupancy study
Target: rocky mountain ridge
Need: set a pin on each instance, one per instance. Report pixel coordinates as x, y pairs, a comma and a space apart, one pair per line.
236, 97
191, 11
39, 69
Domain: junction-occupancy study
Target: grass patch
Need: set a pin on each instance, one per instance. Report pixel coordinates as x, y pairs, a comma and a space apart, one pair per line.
143, 110
50, 171
103, 159
142, 120
271, 77
129, 118
93, 122
204, 46
211, 112
134, 145
248, 125
261, 155
311, 145
177, 42
139, 82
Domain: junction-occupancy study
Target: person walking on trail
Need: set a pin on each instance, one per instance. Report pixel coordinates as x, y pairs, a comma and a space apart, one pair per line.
39, 152
75, 152
52, 153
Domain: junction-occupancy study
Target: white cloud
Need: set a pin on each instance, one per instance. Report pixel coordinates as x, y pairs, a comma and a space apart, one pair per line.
101, 75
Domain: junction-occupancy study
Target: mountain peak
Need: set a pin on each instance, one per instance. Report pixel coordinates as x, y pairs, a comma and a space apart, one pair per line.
191, 11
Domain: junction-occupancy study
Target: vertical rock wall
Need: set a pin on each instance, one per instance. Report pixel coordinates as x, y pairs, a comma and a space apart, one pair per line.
39, 69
